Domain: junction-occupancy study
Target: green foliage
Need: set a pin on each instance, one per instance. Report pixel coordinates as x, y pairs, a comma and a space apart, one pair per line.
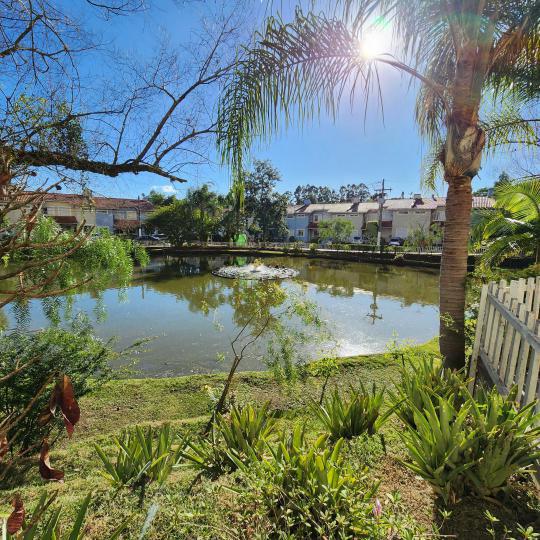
237, 438
439, 444
506, 441
512, 228
48, 353
352, 415
197, 217
324, 194
263, 204
423, 377
337, 230
422, 238
73, 260
142, 456
305, 489
45, 524
460, 444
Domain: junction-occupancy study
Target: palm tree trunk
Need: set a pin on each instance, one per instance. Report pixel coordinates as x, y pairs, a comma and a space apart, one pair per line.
454, 270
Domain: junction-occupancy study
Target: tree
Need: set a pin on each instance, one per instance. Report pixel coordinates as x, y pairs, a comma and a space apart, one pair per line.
153, 122
512, 228
354, 191
485, 192
263, 204
462, 54
174, 221
337, 230
159, 199
205, 212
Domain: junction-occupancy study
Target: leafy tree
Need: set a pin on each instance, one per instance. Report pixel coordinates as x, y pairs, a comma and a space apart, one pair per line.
205, 212
485, 192
512, 228
422, 238
160, 199
337, 230
174, 221
263, 204
350, 191
463, 54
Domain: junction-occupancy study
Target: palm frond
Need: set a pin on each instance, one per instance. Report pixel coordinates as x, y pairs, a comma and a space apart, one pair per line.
294, 71
432, 168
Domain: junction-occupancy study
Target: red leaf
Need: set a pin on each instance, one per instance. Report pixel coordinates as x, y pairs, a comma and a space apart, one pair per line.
48, 413
45, 469
16, 518
4, 445
68, 404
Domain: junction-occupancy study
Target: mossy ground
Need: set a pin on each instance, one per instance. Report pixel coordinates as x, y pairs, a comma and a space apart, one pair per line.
207, 510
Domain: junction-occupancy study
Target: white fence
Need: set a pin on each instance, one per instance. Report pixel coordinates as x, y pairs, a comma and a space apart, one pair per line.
507, 342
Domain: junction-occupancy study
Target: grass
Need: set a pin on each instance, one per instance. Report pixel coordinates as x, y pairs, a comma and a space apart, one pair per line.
208, 510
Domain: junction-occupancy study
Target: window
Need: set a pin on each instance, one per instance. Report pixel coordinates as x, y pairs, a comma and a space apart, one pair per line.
315, 218
300, 233
58, 210
403, 212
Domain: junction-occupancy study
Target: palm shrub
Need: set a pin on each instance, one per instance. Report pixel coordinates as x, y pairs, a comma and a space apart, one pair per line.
240, 437
142, 456
352, 415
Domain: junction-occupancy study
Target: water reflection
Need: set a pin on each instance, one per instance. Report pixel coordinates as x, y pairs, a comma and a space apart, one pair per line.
178, 300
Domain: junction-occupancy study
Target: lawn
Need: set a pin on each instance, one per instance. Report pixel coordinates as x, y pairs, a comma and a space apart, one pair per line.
191, 508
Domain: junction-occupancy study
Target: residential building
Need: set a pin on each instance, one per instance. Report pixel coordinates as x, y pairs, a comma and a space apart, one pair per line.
400, 216
119, 215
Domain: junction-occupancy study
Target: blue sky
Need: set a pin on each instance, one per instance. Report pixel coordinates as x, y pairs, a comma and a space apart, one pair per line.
351, 150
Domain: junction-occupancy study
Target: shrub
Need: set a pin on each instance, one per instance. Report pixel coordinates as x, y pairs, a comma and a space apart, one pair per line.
306, 490
313, 248
505, 443
240, 438
423, 376
352, 415
76, 353
461, 445
142, 456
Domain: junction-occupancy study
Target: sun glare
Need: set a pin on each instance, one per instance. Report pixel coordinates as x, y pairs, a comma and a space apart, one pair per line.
373, 44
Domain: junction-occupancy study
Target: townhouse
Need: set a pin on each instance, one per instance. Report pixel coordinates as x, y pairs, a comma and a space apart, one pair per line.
69, 210
400, 216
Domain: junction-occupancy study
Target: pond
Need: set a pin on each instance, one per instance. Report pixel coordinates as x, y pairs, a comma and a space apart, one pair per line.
192, 314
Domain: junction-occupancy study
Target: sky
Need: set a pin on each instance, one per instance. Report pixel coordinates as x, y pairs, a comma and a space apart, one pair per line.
355, 148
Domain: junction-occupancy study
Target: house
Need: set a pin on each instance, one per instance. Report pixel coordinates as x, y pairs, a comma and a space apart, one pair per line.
69, 210
400, 216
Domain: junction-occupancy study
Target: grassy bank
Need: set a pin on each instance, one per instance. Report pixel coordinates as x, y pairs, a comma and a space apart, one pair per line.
206, 509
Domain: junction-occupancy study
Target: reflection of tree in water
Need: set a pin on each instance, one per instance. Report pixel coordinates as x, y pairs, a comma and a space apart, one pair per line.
204, 292
339, 278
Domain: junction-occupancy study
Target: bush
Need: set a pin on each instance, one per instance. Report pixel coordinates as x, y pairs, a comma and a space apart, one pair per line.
237, 439
352, 415
313, 248
305, 490
142, 456
76, 353
459, 444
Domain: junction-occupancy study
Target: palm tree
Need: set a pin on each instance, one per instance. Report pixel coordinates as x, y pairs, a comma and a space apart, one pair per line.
512, 228
461, 52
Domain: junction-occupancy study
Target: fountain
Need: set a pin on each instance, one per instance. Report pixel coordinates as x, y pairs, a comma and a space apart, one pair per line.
255, 270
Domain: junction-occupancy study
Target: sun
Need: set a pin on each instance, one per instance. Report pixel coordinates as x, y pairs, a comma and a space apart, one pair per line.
373, 44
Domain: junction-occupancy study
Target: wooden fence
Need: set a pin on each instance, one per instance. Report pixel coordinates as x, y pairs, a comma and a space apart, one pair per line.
507, 341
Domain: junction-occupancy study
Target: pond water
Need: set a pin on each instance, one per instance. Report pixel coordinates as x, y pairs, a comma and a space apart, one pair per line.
179, 302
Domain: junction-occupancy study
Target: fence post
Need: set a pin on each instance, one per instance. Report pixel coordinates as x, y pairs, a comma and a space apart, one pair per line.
478, 336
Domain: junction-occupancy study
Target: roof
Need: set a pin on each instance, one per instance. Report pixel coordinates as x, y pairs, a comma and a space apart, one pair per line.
425, 203
126, 224
101, 203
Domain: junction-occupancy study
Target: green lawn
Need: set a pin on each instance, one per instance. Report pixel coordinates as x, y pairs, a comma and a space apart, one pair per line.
208, 510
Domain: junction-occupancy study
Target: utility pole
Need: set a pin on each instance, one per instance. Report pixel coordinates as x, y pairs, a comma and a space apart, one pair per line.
381, 200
